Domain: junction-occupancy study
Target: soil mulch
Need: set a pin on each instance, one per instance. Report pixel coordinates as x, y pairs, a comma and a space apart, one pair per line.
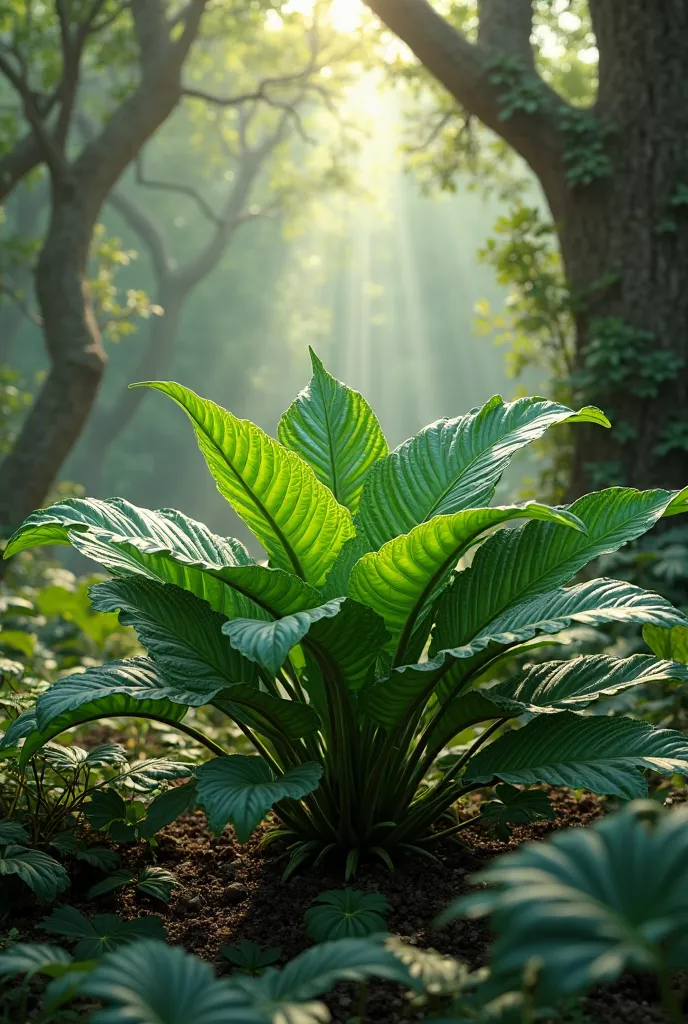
230, 892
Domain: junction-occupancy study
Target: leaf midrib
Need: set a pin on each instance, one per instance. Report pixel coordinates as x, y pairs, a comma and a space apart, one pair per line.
289, 551
505, 607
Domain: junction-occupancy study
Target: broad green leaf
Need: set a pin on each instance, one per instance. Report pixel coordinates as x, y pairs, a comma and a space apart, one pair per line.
120, 688
105, 806
33, 958
17, 640
455, 464
274, 715
22, 726
38, 870
241, 789
116, 519
181, 633
148, 774
515, 807
346, 914
167, 807
157, 882
104, 933
151, 983
556, 685
668, 643
12, 832
401, 578
316, 971
163, 545
513, 566
589, 903
295, 517
269, 643
592, 603
71, 759
604, 755
336, 432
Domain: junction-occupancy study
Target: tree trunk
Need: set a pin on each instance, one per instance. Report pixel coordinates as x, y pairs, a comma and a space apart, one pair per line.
632, 229
29, 206
155, 363
77, 362
619, 196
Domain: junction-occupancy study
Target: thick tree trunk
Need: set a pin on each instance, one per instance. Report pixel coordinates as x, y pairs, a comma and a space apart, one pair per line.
632, 230
29, 206
77, 362
624, 237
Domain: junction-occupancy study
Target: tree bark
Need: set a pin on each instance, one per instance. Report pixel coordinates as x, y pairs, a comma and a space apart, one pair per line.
624, 237
628, 226
79, 190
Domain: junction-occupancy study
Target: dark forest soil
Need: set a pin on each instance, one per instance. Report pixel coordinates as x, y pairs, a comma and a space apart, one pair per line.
230, 892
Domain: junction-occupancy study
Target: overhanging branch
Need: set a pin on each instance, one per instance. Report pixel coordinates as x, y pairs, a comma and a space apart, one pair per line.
469, 72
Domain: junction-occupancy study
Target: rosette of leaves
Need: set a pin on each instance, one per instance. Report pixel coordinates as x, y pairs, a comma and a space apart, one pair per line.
346, 914
318, 655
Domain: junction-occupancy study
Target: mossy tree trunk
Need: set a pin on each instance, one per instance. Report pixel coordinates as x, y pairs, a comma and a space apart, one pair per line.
616, 180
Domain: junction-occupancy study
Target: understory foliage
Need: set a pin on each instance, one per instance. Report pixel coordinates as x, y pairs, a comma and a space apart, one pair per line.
359, 654
568, 913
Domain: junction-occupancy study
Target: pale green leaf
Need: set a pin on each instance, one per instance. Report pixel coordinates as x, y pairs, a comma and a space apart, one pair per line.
668, 643
401, 578
295, 517
336, 432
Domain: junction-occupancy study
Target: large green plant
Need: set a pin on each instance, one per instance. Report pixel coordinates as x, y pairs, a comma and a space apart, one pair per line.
318, 656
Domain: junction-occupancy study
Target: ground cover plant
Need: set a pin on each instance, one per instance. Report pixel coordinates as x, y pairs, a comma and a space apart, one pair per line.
360, 652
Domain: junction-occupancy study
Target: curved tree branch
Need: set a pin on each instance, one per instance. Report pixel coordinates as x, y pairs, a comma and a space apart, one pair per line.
467, 71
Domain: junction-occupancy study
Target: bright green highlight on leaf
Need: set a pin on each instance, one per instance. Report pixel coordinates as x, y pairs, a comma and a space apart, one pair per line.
294, 516
336, 432
362, 651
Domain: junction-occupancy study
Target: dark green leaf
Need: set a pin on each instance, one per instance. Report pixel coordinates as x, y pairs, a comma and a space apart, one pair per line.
38, 870
516, 807
151, 983
590, 903
181, 633
241, 789
604, 755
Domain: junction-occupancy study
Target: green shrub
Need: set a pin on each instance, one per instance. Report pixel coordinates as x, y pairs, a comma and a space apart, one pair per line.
319, 655
578, 910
